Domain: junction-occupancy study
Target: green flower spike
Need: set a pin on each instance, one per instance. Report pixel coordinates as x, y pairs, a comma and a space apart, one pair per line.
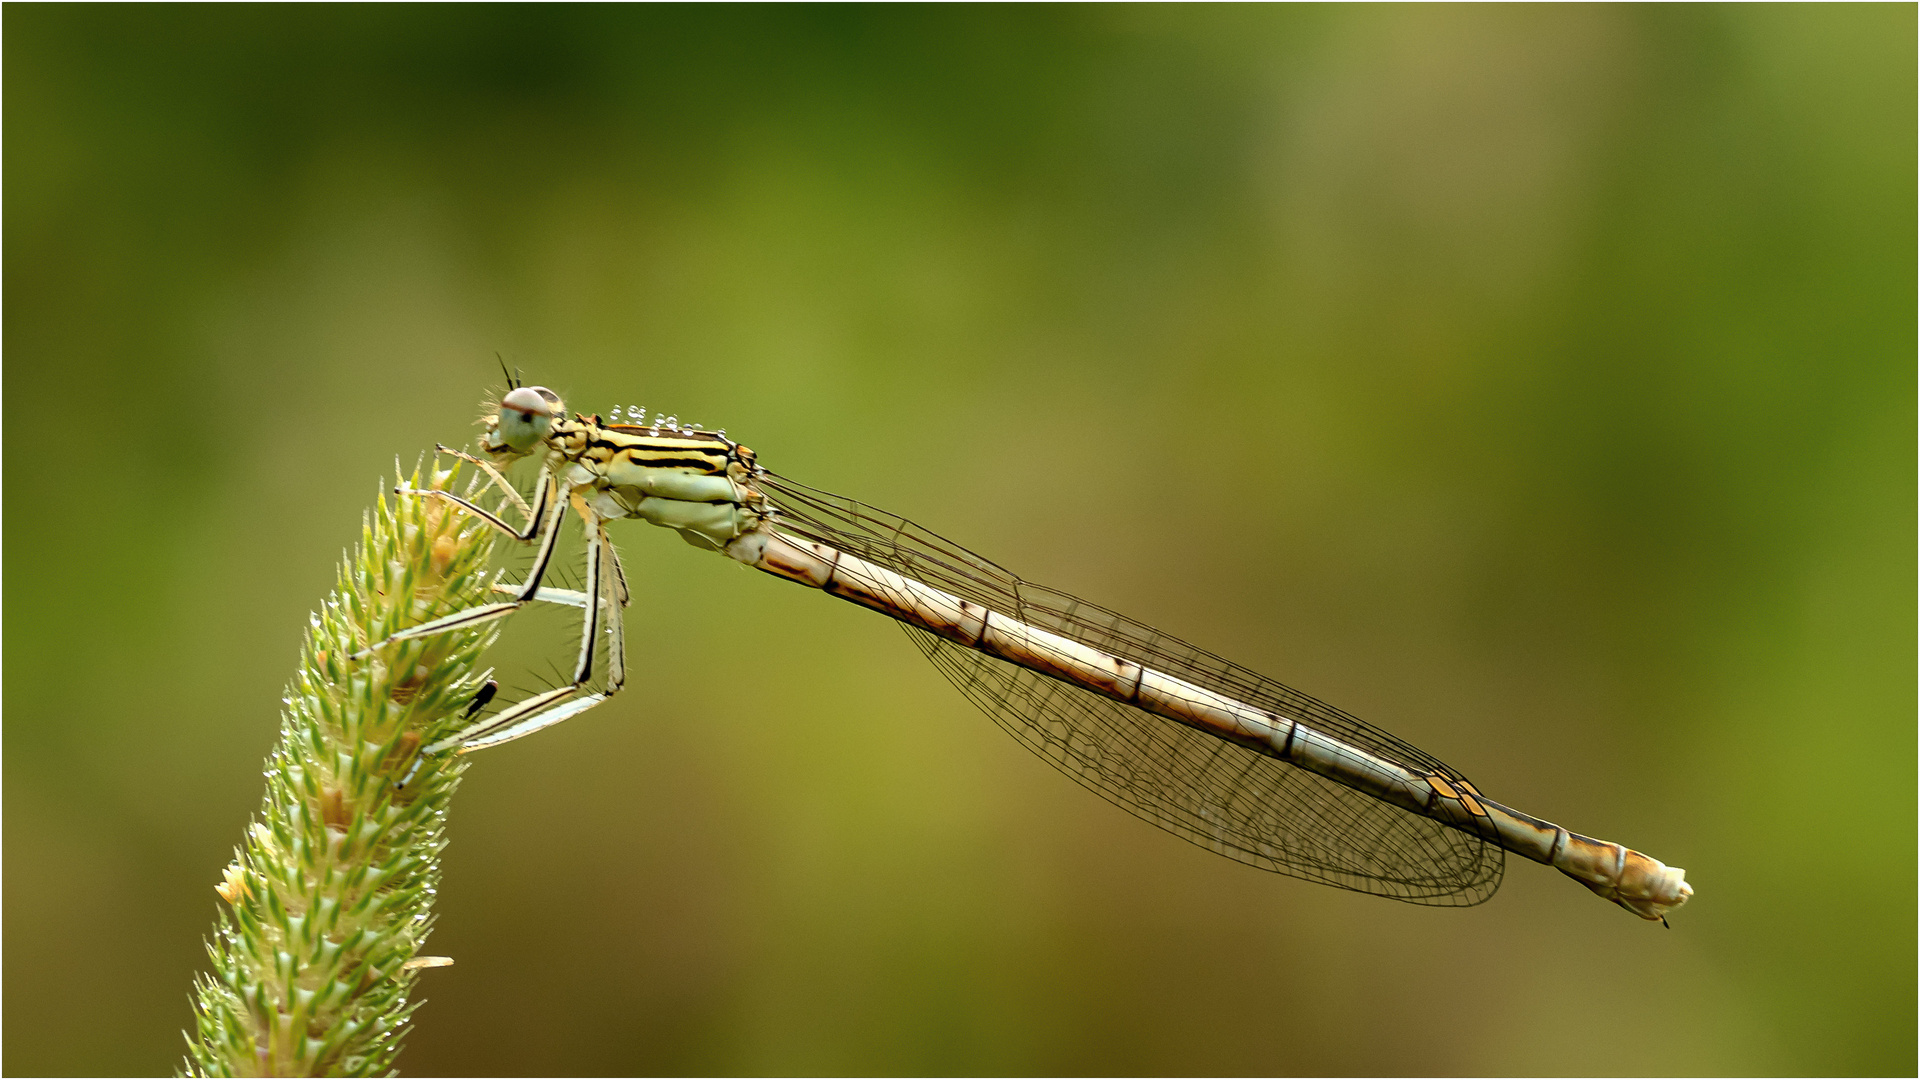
326, 905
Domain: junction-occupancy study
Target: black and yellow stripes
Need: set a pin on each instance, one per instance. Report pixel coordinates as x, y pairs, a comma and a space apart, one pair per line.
697, 452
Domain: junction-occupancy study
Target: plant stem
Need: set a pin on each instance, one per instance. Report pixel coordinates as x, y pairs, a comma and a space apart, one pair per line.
330, 898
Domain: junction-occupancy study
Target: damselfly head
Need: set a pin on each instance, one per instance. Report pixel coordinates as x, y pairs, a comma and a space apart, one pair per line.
525, 417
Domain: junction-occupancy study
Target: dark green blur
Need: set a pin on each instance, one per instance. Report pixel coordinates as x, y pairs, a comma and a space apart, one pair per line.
1537, 383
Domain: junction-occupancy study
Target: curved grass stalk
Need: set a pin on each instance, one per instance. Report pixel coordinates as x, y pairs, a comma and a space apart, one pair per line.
327, 903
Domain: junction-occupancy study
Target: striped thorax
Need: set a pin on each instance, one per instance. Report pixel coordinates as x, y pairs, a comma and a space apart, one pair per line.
698, 483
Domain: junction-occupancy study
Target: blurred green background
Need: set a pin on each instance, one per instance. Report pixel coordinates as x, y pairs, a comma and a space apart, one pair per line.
1537, 383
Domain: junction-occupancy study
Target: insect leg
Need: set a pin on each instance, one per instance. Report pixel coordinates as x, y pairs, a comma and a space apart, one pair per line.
615, 604
472, 616
544, 557
524, 592
545, 710
619, 573
487, 467
534, 517
590, 632
567, 597
614, 597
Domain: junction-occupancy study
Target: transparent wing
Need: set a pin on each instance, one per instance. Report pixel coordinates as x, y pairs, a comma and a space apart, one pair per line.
1222, 796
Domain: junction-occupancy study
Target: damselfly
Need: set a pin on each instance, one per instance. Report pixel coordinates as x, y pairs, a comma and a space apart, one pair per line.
1201, 747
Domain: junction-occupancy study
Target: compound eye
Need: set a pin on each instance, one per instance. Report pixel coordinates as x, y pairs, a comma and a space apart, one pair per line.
529, 399
525, 418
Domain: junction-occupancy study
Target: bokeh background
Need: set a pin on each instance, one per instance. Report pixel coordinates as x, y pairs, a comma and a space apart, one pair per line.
1537, 383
